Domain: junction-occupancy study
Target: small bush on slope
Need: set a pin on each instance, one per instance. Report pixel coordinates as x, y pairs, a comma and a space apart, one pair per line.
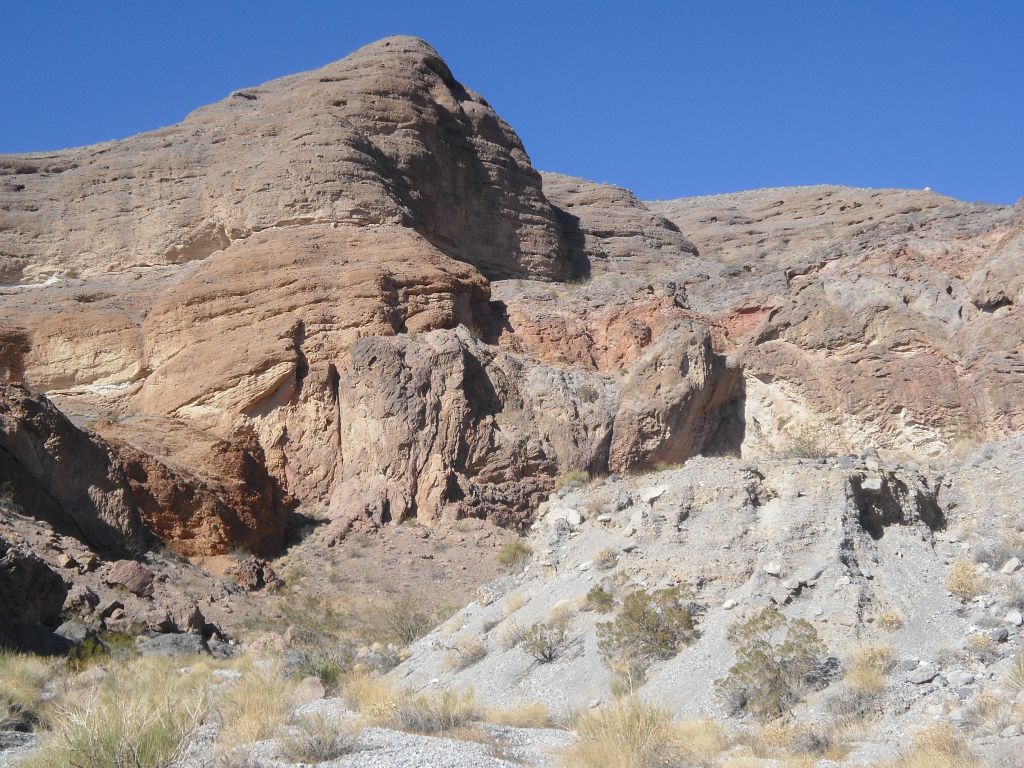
631, 734
513, 554
316, 739
139, 716
774, 657
649, 626
548, 639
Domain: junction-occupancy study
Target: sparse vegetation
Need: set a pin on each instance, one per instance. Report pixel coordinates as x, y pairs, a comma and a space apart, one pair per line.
890, 620
868, 667
548, 639
650, 626
465, 654
631, 734
532, 714
407, 710
512, 604
599, 600
139, 715
1014, 680
605, 559
256, 706
964, 580
513, 554
511, 634
572, 479
22, 680
937, 746
775, 656
317, 739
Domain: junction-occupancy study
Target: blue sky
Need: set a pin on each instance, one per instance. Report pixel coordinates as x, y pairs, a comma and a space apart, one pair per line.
666, 98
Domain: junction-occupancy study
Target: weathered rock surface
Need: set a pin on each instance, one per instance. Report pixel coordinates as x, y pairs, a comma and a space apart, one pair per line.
350, 288
30, 592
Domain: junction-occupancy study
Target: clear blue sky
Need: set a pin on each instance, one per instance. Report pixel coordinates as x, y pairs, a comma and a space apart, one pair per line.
666, 98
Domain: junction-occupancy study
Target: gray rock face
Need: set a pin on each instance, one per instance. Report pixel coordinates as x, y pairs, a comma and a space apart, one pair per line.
30, 592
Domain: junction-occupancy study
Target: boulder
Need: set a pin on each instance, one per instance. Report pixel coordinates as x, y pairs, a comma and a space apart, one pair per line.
253, 574
30, 592
172, 645
131, 575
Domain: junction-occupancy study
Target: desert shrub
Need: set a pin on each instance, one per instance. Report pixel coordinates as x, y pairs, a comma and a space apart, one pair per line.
22, 679
99, 649
513, 554
1014, 595
853, 705
547, 640
629, 672
465, 654
983, 648
937, 746
649, 626
256, 705
800, 741
574, 478
605, 560
371, 696
964, 581
599, 600
868, 667
890, 620
317, 739
774, 658
631, 734
511, 634
587, 393
809, 443
140, 715
401, 621
533, 714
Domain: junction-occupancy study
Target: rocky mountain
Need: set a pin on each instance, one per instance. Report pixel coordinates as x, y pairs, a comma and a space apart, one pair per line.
345, 299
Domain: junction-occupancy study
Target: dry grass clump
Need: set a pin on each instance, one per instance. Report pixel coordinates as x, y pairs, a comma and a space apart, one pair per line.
964, 581
22, 679
572, 479
868, 667
140, 715
605, 560
1014, 680
802, 744
316, 739
465, 654
990, 713
631, 734
406, 710
511, 634
937, 746
512, 604
256, 706
513, 554
890, 620
532, 714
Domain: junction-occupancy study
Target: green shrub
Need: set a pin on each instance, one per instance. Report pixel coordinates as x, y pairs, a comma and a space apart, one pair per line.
649, 626
775, 657
513, 554
599, 600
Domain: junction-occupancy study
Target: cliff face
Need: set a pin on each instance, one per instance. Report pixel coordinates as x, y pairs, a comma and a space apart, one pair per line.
349, 288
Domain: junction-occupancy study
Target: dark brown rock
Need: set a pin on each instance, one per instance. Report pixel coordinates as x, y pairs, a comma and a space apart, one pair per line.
131, 575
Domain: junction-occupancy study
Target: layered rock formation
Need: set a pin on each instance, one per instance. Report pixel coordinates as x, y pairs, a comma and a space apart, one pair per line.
350, 289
